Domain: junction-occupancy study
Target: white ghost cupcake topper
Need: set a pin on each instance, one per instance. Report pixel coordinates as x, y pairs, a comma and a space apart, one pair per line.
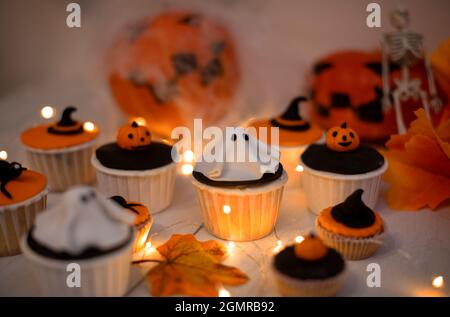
243, 158
82, 219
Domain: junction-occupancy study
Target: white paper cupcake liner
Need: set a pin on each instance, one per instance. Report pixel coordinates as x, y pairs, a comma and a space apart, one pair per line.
141, 235
351, 248
253, 210
106, 275
66, 167
16, 220
152, 188
292, 287
324, 189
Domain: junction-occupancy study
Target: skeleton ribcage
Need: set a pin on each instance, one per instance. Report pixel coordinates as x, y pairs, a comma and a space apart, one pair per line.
405, 48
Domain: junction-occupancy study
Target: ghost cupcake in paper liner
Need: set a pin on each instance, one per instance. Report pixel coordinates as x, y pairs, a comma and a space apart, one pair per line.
334, 170
84, 232
136, 168
295, 134
23, 194
239, 191
62, 150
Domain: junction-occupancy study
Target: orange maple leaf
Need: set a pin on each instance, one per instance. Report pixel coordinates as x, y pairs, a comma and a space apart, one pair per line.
419, 165
192, 267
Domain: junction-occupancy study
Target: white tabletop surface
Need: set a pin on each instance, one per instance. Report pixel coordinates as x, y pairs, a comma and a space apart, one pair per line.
416, 248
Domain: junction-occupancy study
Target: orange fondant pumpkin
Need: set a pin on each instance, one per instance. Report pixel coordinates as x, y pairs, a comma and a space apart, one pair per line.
311, 249
342, 138
172, 69
347, 86
133, 137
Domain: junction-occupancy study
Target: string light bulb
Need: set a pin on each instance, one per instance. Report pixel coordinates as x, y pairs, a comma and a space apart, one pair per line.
224, 293
187, 169
278, 247
299, 239
226, 209
89, 126
3, 155
140, 121
47, 112
299, 168
438, 282
188, 156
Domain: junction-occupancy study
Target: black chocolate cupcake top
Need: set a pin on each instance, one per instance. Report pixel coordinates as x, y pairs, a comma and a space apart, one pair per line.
288, 263
361, 160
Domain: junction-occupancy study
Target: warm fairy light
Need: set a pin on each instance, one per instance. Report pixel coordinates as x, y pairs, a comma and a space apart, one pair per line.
165, 141
224, 293
149, 248
47, 112
140, 121
231, 245
438, 282
226, 209
299, 168
3, 155
278, 247
299, 239
187, 169
279, 243
88, 126
188, 156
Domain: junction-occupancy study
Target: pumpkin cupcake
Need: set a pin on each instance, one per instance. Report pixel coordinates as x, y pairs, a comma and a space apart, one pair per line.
240, 199
84, 229
309, 268
351, 228
136, 168
62, 151
295, 134
23, 194
142, 223
334, 170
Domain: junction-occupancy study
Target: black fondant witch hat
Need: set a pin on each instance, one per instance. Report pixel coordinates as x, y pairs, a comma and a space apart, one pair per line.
66, 125
291, 118
353, 212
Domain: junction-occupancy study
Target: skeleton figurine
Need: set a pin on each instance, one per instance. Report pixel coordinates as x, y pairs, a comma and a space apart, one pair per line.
406, 49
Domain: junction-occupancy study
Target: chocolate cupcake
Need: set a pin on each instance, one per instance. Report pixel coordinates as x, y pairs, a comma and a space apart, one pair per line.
89, 230
142, 223
351, 227
62, 150
295, 134
334, 170
136, 168
309, 268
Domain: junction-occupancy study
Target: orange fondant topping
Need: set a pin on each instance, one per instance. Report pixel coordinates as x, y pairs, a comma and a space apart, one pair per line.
342, 139
327, 221
289, 137
39, 138
26, 186
143, 214
311, 249
133, 137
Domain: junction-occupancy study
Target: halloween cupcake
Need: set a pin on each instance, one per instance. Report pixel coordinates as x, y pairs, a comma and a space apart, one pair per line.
136, 168
351, 227
334, 170
309, 268
62, 151
240, 195
295, 134
23, 194
84, 233
142, 223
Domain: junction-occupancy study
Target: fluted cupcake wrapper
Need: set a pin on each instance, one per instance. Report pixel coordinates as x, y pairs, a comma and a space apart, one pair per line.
152, 188
106, 275
293, 287
16, 220
253, 211
64, 168
324, 189
141, 235
351, 248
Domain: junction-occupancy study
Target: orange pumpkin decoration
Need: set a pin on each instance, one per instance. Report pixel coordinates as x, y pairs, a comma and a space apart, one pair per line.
172, 69
347, 86
311, 249
133, 137
342, 139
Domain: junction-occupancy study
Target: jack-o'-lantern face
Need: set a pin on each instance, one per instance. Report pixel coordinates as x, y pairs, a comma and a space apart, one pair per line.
173, 68
342, 139
133, 137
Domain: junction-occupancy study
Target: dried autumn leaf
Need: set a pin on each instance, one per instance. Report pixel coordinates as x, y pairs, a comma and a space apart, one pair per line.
419, 165
191, 267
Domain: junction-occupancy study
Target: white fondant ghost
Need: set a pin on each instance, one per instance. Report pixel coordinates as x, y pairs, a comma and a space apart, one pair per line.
83, 218
244, 158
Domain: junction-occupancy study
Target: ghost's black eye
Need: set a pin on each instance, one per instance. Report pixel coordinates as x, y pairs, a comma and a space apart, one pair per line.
84, 198
352, 134
334, 134
93, 195
246, 138
130, 136
233, 137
